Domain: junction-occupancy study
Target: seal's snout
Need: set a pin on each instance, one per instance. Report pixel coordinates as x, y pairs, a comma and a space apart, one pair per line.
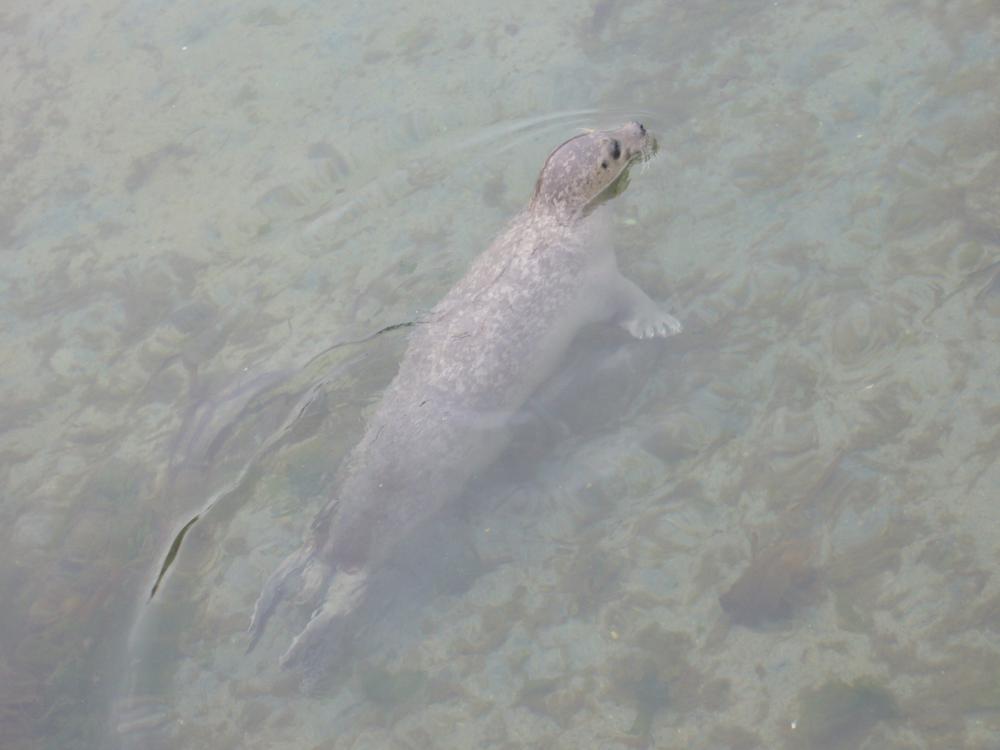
635, 129
643, 144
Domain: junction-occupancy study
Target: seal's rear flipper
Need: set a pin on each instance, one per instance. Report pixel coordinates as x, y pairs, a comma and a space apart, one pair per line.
342, 598
273, 591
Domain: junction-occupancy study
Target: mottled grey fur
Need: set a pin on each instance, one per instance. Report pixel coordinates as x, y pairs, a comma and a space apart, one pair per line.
471, 365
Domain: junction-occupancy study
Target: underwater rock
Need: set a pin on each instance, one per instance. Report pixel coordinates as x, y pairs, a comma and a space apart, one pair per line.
775, 581
982, 200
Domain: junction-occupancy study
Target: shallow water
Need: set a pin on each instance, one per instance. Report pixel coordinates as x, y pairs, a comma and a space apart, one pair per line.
778, 529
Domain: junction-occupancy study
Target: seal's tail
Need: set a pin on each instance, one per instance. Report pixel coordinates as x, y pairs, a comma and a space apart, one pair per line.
274, 590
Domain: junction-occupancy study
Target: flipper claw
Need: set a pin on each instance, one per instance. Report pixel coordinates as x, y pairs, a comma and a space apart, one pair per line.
342, 598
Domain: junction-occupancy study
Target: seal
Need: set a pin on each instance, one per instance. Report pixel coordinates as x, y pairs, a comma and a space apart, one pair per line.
468, 368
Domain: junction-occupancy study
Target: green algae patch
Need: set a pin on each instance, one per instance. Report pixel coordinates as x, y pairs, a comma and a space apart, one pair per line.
651, 695
391, 689
840, 714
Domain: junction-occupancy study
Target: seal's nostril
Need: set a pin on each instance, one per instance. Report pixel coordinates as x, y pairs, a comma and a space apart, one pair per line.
642, 129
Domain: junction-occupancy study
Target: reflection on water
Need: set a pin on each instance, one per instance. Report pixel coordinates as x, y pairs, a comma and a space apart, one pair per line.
777, 530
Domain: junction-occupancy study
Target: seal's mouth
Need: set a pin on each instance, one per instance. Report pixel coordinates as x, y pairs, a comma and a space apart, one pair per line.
647, 151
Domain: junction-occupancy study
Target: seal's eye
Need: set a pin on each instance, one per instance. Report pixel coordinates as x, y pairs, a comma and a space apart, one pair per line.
616, 149
604, 165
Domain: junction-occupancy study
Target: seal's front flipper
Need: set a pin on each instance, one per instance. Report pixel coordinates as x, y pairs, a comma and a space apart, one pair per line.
342, 598
639, 315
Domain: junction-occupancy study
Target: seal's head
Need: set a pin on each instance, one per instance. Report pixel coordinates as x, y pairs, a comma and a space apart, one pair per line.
578, 172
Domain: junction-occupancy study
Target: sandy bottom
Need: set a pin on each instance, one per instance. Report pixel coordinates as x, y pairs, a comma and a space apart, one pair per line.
778, 529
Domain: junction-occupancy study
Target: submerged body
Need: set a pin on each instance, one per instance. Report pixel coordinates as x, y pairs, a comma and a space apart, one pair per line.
469, 367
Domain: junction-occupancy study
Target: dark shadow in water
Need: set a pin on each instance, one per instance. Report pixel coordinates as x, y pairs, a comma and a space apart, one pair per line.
171, 554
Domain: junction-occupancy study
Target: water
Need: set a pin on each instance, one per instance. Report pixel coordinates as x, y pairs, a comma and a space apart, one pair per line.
776, 530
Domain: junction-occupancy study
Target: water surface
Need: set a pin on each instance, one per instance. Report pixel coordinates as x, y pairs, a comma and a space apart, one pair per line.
778, 529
